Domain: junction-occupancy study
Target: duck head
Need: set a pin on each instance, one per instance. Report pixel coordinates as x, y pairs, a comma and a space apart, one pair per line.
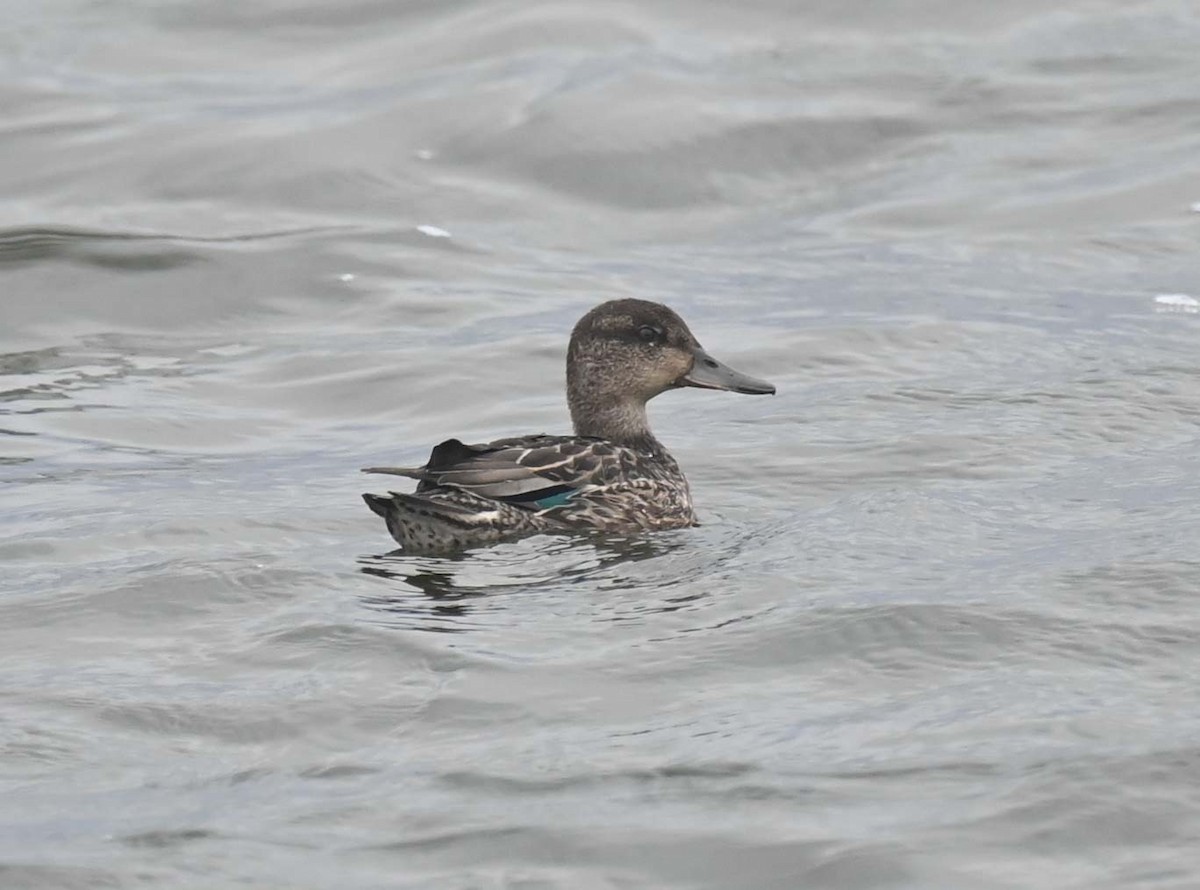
625, 352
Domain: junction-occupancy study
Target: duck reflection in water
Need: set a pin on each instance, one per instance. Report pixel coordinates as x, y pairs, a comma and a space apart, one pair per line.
425, 591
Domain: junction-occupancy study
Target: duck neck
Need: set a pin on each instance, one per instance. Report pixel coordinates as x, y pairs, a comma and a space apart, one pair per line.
623, 422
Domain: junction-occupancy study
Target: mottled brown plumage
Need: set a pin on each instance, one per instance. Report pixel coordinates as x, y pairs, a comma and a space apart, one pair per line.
612, 475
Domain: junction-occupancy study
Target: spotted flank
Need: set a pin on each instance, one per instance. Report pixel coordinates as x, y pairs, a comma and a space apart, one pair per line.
612, 475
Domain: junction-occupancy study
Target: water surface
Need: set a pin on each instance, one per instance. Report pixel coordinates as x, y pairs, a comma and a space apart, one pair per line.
938, 626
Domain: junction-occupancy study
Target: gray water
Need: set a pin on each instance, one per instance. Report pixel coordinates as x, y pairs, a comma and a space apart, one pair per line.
939, 628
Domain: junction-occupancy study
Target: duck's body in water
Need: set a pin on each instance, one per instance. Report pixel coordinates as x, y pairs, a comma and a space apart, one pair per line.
612, 475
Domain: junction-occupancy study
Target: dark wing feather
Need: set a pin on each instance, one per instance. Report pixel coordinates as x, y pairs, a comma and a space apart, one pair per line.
520, 468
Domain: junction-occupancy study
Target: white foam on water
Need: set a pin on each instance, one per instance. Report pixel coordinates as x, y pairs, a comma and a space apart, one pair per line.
1176, 303
433, 231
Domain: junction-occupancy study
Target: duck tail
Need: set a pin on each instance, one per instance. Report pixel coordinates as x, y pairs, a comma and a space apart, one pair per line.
396, 502
451, 521
379, 504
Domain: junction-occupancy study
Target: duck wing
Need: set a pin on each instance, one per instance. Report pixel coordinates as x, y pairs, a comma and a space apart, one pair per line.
526, 470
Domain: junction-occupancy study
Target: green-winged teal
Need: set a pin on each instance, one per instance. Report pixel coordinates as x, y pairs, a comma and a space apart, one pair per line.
612, 475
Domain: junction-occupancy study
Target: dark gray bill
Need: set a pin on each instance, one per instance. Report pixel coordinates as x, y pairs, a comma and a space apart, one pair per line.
708, 373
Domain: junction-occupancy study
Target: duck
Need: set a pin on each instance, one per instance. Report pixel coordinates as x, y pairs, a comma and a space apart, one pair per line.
611, 476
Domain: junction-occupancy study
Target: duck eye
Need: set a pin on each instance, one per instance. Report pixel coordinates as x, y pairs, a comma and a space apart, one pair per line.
649, 334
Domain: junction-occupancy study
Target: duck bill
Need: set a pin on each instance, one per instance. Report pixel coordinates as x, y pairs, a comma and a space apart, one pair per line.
708, 373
